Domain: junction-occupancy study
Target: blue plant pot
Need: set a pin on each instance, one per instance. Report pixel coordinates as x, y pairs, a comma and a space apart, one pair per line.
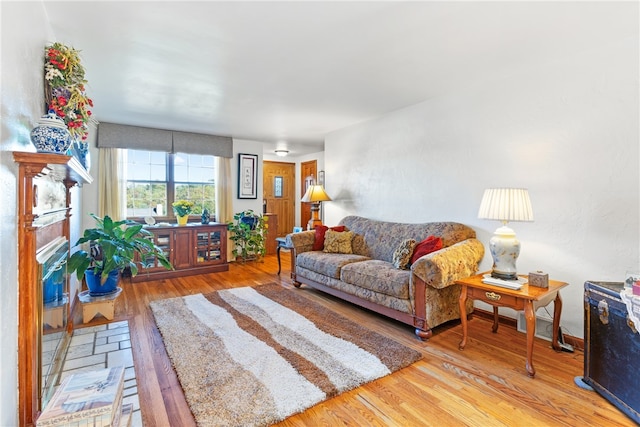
53, 286
251, 221
96, 289
49, 291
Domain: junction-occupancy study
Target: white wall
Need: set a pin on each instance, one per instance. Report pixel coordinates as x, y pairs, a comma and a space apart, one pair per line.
25, 33
567, 131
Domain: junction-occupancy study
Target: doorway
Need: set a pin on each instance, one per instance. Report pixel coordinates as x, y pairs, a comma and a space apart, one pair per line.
279, 193
308, 174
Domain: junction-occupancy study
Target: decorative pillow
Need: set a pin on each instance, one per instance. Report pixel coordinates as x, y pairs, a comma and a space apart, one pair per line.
318, 244
402, 254
338, 242
428, 245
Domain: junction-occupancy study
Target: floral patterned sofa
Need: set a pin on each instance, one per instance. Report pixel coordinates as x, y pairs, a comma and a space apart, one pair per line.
423, 295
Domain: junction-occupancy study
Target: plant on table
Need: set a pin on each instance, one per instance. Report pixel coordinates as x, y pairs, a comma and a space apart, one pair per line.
182, 207
248, 234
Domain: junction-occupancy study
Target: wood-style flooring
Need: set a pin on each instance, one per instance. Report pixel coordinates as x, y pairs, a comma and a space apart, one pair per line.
484, 385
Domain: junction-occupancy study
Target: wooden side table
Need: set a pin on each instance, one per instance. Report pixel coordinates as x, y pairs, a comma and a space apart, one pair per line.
104, 305
282, 243
527, 298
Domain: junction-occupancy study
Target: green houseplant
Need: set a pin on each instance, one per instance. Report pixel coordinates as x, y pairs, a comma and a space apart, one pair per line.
115, 245
182, 209
248, 234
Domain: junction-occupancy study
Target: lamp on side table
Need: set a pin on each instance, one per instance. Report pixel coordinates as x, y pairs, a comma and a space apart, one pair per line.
315, 195
505, 205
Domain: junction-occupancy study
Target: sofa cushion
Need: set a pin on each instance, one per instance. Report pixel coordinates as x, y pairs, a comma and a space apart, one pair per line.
318, 244
400, 304
378, 276
428, 245
325, 263
338, 242
402, 254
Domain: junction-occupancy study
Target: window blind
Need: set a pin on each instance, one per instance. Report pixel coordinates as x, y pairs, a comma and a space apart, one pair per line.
198, 143
113, 135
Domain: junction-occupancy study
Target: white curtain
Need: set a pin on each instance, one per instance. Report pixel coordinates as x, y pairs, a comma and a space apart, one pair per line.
111, 183
224, 197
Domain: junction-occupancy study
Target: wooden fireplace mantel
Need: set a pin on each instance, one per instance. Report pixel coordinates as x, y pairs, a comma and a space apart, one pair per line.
33, 235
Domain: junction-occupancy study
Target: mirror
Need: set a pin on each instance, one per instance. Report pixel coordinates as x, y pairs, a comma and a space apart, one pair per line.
54, 337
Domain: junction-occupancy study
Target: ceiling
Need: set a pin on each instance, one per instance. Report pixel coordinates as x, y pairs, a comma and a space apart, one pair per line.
288, 73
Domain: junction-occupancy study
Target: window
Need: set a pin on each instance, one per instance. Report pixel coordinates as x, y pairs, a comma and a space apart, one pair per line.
155, 180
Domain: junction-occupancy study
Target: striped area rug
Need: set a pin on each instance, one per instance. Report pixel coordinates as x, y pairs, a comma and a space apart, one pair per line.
254, 356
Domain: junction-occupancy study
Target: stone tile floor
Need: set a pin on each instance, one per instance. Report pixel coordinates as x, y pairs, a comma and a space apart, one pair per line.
104, 346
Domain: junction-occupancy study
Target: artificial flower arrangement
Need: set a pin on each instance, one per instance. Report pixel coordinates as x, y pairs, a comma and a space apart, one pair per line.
65, 92
182, 207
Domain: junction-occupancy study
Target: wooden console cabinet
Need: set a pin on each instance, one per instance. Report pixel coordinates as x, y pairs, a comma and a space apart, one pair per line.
272, 232
191, 249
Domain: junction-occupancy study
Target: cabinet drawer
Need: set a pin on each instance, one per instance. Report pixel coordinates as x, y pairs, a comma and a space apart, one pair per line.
495, 298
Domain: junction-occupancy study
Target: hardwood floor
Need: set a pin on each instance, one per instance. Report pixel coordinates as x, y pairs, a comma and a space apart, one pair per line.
484, 385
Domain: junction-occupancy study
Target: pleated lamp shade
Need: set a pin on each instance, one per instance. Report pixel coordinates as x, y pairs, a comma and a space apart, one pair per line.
506, 205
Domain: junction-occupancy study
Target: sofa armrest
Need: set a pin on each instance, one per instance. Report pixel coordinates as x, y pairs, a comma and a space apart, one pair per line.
441, 268
301, 242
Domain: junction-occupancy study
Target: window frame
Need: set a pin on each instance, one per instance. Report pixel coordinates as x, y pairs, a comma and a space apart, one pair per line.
171, 185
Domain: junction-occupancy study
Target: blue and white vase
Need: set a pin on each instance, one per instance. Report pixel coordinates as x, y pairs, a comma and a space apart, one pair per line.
51, 135
82, 148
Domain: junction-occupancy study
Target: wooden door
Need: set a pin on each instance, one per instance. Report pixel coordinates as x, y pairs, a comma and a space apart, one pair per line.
307, 170
279, 192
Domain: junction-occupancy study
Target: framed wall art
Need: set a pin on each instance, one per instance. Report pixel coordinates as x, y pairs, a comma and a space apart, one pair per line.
247, 176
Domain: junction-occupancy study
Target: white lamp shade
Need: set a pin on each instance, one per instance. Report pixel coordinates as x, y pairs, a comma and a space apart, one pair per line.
506, 204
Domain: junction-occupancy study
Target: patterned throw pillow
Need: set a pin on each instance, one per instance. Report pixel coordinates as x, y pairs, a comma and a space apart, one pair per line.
402, 254
358, 245
338, 242
318, 243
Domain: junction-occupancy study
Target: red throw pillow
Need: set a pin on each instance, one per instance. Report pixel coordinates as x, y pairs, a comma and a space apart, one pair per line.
428, 245
318, 244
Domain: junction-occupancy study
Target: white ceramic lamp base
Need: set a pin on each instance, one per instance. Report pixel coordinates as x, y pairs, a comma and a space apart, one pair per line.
505, 249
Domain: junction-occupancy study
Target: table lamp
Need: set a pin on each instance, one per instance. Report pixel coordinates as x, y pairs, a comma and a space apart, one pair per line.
505, 204
315, 195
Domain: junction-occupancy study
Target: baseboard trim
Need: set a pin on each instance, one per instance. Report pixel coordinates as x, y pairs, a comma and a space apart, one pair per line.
575, 342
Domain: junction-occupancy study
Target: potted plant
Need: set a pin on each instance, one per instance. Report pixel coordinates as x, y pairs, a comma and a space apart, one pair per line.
248, 234
182, 209
114, 246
